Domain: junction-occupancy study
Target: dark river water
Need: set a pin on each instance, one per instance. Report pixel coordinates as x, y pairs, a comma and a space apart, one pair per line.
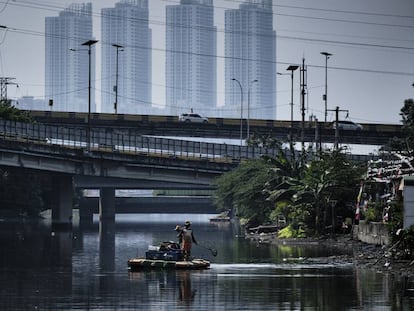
86, 269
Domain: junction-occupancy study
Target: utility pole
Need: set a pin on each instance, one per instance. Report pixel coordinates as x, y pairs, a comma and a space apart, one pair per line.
318, 145
337, 110
303, 87
4, 81
118, 48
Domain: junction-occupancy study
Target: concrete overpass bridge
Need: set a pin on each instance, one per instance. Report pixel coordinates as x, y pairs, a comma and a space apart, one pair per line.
152, 205
226, 128
108, 158
78, 162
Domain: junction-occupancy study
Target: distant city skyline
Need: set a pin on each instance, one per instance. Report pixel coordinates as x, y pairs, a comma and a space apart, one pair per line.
191, 52
370, 73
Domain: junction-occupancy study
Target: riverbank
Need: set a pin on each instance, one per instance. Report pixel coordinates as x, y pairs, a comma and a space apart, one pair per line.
358, 253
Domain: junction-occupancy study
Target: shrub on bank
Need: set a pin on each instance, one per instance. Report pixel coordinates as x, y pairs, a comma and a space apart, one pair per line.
289, 232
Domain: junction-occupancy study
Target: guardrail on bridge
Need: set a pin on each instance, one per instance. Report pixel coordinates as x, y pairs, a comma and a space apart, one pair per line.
126, 141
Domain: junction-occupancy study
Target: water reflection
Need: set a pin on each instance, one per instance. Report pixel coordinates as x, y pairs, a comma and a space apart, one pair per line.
177, 284
86, 269
107, 245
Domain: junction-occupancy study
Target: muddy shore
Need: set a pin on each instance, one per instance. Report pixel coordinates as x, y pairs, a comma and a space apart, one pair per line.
360, 254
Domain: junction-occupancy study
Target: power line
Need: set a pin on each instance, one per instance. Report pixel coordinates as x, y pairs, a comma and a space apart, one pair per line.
336, 35
4, 7
348, 21
329, 11
285, 37
345, 11
55, 8
336, 10
336, 42
351, 43
354, 44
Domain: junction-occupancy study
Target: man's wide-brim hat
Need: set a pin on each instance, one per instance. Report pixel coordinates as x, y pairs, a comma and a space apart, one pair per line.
187, 223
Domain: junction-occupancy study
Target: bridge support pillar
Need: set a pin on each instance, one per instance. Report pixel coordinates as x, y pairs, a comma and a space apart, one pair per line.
107, 204
62, 201
107, 244
85, 213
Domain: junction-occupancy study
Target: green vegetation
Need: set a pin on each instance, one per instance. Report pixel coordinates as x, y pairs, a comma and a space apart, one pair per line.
22, 193
406, 144
407, 115
8, 112
304, 189
313, 191
404, 238
289, 232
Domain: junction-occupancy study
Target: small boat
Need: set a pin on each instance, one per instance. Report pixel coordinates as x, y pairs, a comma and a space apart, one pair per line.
223, 217
166, 256
220, 219
137, 264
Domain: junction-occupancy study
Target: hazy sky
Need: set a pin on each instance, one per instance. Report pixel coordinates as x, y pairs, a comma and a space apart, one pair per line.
370, 72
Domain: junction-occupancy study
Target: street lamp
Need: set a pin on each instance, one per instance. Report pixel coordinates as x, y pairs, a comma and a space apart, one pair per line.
291, 68
241, 111
89, 44
248, 107
325, 96
118, 47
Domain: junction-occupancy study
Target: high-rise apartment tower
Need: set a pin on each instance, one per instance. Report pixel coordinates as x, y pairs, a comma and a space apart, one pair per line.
126, 58
250, 54
67, 61
191, 57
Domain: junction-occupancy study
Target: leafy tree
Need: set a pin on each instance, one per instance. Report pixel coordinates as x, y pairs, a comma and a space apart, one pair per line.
242, 189
21, 192
266, 141
310, 191
291, 184
8, 112
406, 143
407, 114
247, 187
286, 167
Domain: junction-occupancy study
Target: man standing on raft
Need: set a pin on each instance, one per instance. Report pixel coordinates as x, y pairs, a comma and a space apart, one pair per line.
187, 239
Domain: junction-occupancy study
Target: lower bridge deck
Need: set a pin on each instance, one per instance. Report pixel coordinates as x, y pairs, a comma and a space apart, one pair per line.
155, 205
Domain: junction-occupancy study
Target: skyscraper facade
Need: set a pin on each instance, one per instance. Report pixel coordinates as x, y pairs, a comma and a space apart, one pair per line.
67, 61
126, 69
250, 54
191, 57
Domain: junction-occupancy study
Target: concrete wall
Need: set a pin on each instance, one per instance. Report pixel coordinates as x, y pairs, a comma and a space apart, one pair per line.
408, 194
372, 233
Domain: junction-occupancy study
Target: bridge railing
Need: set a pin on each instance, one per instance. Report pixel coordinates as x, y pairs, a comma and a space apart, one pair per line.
125, 141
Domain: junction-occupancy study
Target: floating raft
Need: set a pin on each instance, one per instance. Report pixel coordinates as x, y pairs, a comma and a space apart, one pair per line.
220, 219
137, 264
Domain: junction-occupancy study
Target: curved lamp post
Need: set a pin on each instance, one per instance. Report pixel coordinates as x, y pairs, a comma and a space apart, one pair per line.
291, 68
241, 111
248, 107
